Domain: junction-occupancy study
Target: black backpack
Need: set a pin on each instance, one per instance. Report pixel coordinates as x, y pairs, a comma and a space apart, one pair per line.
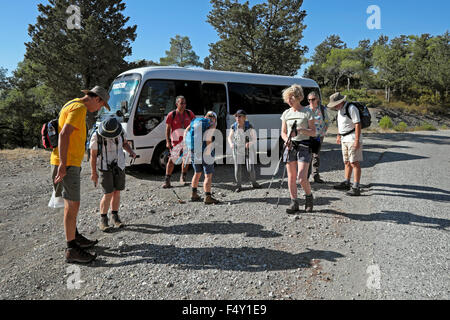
102, 142
364, 115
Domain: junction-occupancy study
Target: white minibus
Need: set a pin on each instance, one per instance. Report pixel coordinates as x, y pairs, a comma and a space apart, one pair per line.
145, 96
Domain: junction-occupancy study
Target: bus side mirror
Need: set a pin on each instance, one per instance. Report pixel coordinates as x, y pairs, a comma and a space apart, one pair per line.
124, 109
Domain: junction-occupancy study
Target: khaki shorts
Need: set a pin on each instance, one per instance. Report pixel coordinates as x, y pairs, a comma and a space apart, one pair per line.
351, 155
70, 187
111, 182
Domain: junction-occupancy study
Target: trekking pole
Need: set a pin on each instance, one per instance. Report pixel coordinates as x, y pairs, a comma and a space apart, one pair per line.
179, 199
281, 186
286, 145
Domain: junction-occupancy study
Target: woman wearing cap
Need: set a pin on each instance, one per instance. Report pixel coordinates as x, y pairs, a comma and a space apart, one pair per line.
107, 145
242, 140
297, 153
202, 160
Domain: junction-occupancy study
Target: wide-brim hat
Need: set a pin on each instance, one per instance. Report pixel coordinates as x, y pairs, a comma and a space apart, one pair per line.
110, 128
101, 93
335, 100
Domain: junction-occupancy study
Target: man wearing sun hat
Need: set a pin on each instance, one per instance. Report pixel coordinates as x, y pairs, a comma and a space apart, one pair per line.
66, 162
350, 138
107, 145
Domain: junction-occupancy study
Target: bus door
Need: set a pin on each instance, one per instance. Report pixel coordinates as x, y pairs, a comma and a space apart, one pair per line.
214, 98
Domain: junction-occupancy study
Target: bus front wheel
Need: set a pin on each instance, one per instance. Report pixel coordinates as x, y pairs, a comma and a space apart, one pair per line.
160, 158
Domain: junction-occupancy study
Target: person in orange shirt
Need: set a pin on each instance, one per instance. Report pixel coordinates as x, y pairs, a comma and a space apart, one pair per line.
66, 162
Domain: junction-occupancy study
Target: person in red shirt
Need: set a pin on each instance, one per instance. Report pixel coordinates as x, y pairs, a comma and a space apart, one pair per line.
176, 123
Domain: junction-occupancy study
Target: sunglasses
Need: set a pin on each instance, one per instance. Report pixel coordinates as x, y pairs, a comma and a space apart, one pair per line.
312, 99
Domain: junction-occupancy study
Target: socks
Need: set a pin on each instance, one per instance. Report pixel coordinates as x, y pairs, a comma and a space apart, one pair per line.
194, 190
208, 193
356, 185
72, 244
115, 213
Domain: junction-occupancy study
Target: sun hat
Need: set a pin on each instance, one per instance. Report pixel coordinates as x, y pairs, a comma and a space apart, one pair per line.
110, 128
336, 99
101, 93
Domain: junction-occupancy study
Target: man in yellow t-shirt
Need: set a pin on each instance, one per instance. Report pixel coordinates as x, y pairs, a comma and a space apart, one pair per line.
66, 162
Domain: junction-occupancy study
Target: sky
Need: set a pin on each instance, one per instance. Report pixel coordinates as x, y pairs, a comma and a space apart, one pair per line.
160, 20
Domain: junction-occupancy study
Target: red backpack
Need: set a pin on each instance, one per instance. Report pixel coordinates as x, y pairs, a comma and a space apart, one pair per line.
50, 133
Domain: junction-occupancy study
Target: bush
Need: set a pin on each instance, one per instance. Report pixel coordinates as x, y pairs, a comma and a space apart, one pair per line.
425, 126
401, 127
386, 123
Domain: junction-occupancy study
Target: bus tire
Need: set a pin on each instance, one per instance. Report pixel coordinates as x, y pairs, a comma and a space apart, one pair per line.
160, 158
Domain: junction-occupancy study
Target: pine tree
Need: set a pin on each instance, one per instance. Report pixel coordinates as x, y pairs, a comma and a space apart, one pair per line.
262, 39
79, 56
180, 53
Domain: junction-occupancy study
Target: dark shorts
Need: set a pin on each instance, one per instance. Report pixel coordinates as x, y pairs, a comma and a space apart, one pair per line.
70, 187
298, 154
202, 167
111, 182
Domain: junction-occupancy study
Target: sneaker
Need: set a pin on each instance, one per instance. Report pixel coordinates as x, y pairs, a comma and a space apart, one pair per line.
211, 200
342, 186
116, 221
104, 225
317, 179
309, 203
85, 243
195, 197
293, 208
256, 185
354, 192
78, 255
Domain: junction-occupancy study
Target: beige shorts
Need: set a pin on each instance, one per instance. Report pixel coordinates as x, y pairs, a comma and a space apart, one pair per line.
350, 154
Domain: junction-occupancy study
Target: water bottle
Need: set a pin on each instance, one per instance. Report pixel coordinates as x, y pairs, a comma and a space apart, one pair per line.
51, 130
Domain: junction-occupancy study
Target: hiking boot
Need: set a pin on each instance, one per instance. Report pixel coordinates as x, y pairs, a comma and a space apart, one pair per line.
309, 203
166, 184
104, 226
183, 181
238, 189
342, 186
211, 200
85, 243
256, 185
354, 192
78, 255
317, 179
195, 197
293, 208
116, 221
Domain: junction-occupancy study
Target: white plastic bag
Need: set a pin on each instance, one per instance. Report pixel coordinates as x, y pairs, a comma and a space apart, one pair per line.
56, 202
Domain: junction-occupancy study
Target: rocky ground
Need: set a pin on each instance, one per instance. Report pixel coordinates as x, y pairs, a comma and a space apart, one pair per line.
245, 248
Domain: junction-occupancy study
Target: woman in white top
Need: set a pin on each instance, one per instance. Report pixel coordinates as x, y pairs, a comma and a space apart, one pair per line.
297, 127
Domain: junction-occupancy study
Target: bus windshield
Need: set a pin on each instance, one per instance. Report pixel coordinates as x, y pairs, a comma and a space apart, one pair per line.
122, 93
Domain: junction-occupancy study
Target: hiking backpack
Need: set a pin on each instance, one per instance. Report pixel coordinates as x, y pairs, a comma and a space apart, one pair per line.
50, 132
196, 123
102, 142
364, 115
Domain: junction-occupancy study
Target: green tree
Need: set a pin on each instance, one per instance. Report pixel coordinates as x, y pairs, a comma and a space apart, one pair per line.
180, 54
262, 39
27, 104
316, 70
342, 62
80, 58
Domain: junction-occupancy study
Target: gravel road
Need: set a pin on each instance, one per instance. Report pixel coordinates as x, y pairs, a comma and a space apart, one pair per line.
390, 243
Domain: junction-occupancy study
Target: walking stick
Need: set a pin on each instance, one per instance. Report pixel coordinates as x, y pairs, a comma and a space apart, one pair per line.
286, 145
